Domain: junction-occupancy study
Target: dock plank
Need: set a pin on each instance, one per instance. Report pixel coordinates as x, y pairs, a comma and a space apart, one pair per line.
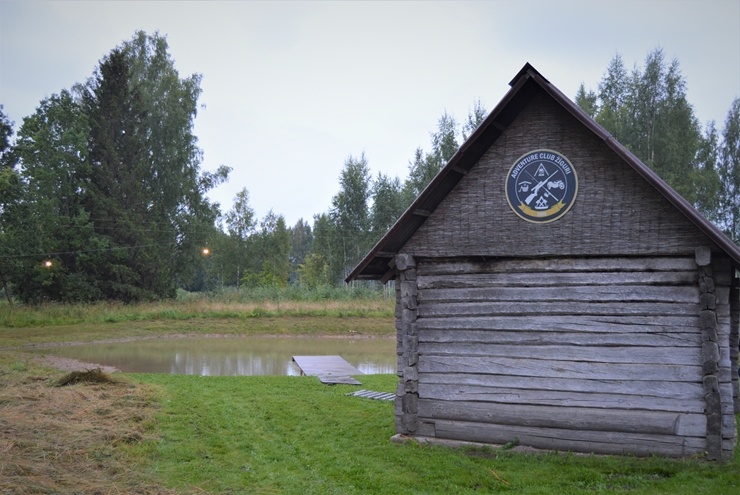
329, 369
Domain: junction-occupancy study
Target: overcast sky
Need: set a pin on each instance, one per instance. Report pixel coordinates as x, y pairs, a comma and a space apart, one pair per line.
292, 89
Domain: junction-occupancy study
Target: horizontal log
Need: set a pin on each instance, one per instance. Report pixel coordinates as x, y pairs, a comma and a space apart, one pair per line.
565, 400
549, 279
582, 323
523, 337
655, 388
597, 442
515, 308
559, 353
508, 265
427, 431
575, 418
559, 369
536, 296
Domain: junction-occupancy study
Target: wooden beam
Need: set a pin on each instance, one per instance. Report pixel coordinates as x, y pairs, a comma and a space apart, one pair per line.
387, 276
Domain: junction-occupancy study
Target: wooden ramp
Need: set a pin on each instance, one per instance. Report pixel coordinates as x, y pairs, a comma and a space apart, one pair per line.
329, 369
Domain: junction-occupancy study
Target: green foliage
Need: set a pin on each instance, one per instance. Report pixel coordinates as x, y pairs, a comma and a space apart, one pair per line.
314, 272
240, 225
475, 117
587, 100
10, 193
728, 169
301, 239
651, 116
110, 185
707, 179
422, 169
424, 166
350, 216
388, 204
49, 222
648, 112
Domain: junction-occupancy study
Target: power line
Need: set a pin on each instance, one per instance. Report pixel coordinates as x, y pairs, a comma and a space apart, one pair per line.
60, 253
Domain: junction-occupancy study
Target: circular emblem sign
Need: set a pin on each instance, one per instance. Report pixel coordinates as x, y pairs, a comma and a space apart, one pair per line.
541, 186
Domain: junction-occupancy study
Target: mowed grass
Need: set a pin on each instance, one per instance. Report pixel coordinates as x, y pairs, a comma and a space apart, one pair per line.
265, 435
294, 435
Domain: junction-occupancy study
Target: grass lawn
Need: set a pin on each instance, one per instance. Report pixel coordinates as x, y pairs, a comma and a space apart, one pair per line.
294, 435
162, 434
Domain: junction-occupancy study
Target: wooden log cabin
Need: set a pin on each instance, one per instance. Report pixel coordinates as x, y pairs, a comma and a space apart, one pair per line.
553, 291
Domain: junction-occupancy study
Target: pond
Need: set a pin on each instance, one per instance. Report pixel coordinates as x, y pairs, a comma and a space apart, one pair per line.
229, 356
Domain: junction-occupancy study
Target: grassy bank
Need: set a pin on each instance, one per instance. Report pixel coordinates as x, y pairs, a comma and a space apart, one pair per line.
164, 434
229, 305
28, 326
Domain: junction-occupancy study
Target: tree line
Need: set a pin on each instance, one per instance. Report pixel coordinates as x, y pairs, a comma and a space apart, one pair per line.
268, 253
102, 196
646, 110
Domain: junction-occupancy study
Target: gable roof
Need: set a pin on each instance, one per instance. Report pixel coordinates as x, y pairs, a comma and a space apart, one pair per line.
377, 264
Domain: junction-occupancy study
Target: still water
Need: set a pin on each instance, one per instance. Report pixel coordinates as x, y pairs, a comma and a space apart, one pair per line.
232, 355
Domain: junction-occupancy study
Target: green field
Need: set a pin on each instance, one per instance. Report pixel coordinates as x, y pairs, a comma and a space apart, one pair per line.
147, 433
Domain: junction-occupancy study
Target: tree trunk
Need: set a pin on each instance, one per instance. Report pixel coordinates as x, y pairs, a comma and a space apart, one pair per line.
7, 290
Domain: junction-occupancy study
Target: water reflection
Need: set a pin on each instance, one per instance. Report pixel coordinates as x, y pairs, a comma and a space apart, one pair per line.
228, 356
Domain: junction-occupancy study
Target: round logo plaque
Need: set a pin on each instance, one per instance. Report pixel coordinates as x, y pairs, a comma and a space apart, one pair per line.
541, 186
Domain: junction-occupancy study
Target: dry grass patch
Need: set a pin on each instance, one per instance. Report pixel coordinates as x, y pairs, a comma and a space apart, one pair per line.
63, 439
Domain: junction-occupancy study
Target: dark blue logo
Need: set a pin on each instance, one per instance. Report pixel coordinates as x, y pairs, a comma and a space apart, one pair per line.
541, 186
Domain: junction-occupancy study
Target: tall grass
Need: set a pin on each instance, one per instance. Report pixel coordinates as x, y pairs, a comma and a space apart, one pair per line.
228, 303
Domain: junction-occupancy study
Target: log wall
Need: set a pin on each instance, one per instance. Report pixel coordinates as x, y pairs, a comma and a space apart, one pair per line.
735, 339
603, 355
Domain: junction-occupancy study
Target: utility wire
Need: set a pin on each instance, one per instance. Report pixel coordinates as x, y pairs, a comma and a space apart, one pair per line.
59, 253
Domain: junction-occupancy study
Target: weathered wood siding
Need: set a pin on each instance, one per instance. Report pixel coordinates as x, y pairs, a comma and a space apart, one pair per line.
585, 354
613, 329
616, 212
735, 340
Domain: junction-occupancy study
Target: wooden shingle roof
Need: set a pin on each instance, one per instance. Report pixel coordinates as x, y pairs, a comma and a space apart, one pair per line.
377, 263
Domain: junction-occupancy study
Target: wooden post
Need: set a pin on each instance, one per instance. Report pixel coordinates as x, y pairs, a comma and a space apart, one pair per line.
408, 392
709, 353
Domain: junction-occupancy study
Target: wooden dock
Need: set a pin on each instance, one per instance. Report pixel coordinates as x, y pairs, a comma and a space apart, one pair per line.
329, 369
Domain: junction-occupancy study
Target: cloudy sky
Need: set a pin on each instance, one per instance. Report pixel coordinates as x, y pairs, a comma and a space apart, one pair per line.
292, 89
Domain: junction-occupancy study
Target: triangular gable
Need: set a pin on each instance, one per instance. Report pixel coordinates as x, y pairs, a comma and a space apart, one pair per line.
526, 86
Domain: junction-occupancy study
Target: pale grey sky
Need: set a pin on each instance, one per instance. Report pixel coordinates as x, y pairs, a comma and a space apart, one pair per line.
291, 89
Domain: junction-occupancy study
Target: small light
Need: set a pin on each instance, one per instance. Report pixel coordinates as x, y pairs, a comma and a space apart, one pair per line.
48, 264
206, 251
